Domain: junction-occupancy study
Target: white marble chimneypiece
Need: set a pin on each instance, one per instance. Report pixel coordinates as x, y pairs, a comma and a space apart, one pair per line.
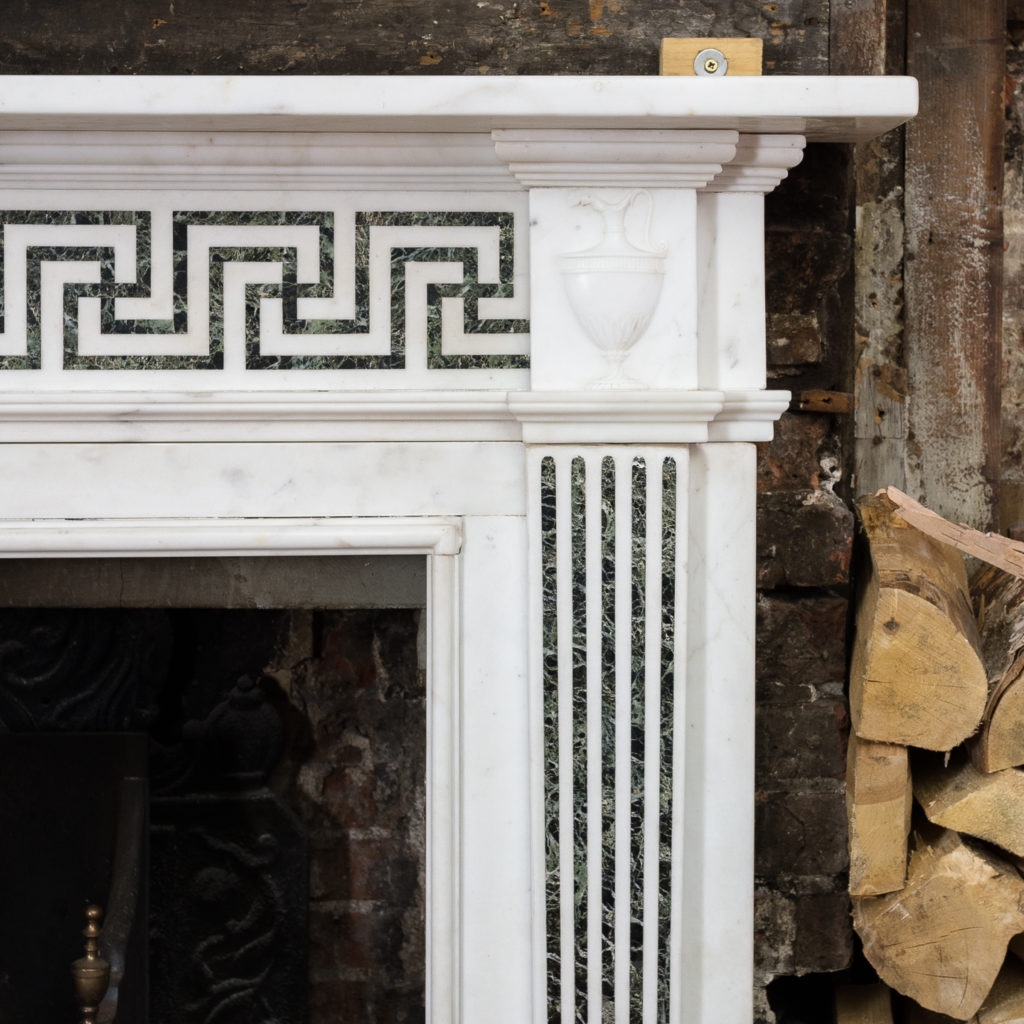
513, 324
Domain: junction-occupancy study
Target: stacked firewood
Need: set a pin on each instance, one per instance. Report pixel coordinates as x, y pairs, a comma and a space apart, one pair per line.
935, 787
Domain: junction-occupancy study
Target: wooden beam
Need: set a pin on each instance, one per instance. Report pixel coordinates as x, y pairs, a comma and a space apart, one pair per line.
954, 171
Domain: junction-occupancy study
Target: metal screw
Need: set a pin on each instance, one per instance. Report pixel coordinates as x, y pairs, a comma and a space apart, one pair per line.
710, 63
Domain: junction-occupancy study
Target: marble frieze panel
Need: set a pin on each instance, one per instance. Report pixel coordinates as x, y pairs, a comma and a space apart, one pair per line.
420, 290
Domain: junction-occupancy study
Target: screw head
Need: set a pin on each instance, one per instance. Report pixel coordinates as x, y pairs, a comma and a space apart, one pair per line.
710, 63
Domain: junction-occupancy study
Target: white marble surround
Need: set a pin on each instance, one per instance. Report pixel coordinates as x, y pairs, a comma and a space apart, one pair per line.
548, 383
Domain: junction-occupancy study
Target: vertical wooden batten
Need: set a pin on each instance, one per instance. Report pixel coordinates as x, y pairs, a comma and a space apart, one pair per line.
954, 256
868, 38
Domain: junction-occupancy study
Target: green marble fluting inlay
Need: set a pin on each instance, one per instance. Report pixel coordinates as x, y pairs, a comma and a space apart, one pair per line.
651, 714
638, 725
608, 705
669, 555
578, 508
470, 289
549, 634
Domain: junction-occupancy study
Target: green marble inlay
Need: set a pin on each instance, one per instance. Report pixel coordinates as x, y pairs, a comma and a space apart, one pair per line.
637, 735
549, 634
471, 289
578, 509
668, 638
608, 704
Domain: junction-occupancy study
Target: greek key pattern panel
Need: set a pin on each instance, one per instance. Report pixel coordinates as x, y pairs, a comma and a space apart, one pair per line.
263, 290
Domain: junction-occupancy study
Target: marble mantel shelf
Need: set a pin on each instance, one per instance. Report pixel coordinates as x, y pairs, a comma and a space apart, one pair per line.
516, 325
820, 108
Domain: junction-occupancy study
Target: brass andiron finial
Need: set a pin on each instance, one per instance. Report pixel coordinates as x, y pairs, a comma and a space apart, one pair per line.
91, 973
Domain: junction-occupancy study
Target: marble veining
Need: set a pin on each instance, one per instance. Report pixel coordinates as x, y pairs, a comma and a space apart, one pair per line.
282, 284
608, 705
638, 723
577, 498
595, 852
669, 555
549, 627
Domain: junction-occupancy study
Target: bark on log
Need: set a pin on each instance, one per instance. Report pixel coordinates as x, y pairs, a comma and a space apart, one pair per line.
999, 603
1002, 552
878, 803
942, 940
916, 677
985, 805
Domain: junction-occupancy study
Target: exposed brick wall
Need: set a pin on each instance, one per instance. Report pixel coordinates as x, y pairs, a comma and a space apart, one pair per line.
354, 772
805, 538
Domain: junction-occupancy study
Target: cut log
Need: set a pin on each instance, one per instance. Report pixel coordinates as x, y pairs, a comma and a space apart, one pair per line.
878, 802
961, 797
999, 603
942, 940
917, 678
863, 1004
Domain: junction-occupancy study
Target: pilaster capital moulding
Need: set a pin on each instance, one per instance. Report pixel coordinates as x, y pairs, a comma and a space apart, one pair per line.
616, 417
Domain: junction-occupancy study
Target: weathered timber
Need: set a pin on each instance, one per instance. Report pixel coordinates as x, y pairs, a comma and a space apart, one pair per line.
985, 805
395, 36
867, 38
954, 240
863, 1004
916, 678
942, 939
878, 804
1011, 486
1002, 552
820, 400
999, 602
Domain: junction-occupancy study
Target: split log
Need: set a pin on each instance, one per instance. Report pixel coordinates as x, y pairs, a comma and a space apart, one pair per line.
961, 797
917, 678
878, 803
999, 551
942, 940
999, 602
863, 1004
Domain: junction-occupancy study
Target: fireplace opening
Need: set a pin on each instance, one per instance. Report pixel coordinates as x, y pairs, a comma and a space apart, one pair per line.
280, 704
